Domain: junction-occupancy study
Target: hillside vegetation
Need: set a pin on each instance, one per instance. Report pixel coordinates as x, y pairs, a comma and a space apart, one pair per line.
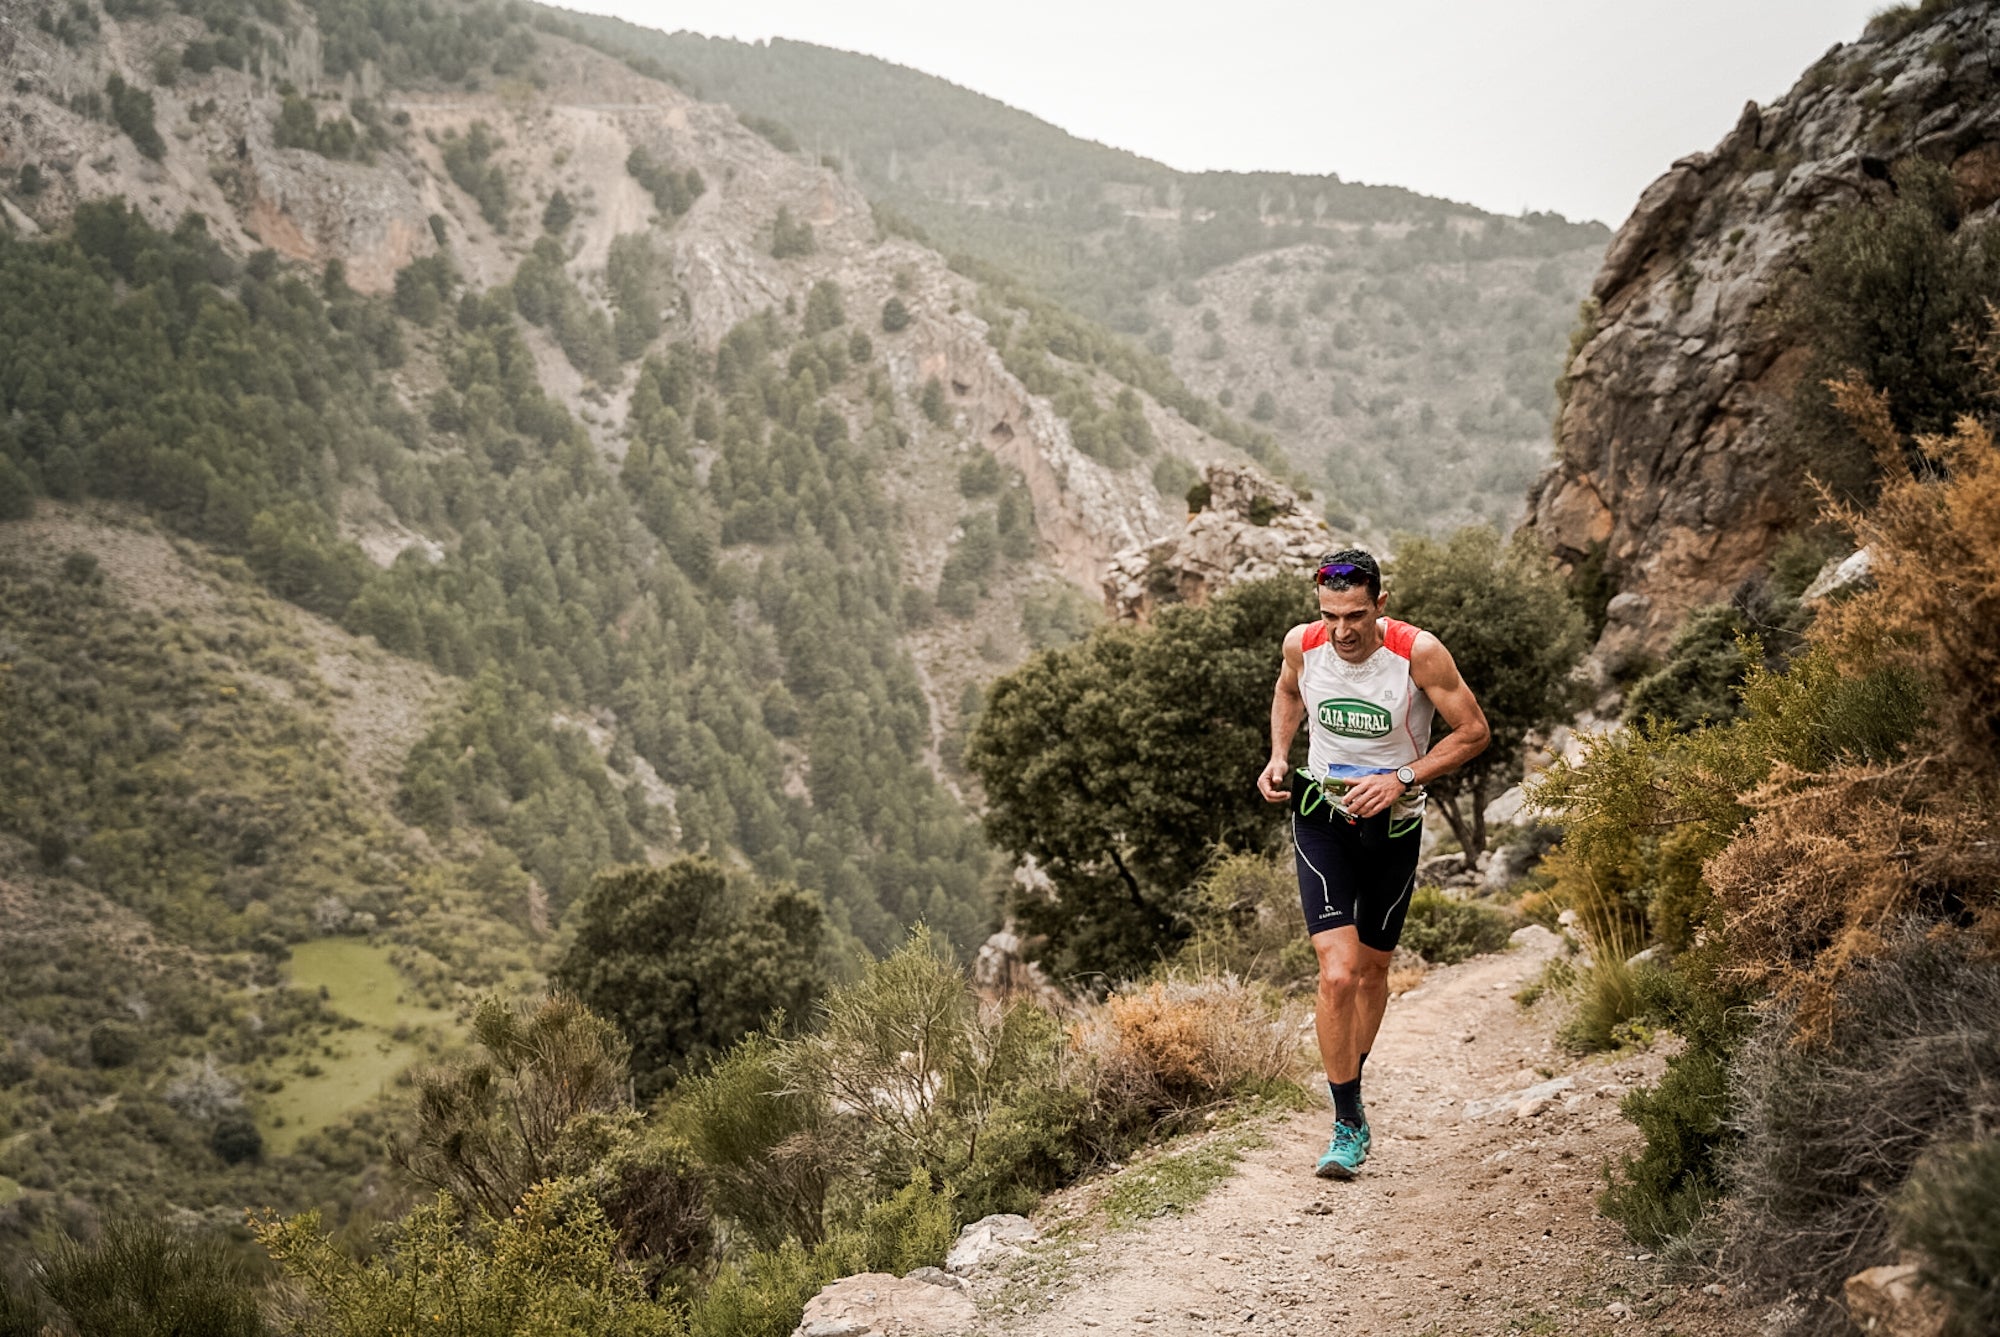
473, 561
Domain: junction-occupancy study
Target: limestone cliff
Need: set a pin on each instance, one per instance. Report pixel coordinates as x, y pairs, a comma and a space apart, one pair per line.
1670, 457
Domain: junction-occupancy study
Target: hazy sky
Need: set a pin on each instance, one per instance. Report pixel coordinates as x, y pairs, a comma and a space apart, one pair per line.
1572, 105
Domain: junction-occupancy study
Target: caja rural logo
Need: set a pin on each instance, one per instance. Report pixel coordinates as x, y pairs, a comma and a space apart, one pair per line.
1354, 719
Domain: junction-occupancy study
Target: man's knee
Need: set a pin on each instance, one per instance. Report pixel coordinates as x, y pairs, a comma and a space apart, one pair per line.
1338, 979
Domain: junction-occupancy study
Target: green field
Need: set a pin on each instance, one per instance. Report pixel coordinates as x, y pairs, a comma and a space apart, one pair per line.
360, 983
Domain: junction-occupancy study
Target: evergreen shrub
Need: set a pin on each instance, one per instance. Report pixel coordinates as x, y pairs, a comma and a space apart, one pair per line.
1445, 930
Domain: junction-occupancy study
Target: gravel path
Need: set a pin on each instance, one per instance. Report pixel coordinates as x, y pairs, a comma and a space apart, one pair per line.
1474, 1214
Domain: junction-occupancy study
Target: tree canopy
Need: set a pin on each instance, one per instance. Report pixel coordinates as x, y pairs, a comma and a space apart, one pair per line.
1122, 763
686, 961
1503, 612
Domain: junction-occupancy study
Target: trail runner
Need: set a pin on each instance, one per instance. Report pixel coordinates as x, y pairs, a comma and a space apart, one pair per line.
1368, 686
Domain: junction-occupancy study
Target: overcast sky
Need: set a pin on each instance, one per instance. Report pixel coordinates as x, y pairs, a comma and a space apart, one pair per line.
1571, 105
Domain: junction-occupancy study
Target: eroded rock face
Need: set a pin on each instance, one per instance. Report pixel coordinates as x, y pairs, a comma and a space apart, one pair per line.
1251, 528
1670, 451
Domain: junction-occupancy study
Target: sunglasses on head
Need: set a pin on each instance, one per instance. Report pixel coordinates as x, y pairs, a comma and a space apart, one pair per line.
1338, 571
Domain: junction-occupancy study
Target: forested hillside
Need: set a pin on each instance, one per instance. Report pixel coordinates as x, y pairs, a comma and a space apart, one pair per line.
534, 471
1411, 288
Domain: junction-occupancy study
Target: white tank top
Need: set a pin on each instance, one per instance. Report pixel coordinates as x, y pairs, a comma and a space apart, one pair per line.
1365, 718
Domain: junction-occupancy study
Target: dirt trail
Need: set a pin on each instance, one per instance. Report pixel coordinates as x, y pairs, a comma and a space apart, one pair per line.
1473, 1215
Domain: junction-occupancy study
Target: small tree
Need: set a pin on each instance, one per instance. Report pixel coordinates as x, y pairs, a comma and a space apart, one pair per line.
1505, 616
552, 1267
548, 1099
824, 310
559, 213
686, 960
931, 402
790, 237
895, 316
489, 1128
1122, 763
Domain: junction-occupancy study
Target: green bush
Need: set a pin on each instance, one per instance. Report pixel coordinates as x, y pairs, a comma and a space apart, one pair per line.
764, 1294
1889, 290
824, 310
549, 1268
113, 1044
467, 160
21, 1312
132, 110
1949, 1212
235, 1139
1444, 930
299, 127
765, 1147
1604, 1001
931, 401
895, 316
1661, 1194
790, 237
142, 1279
1246, 921
674, 193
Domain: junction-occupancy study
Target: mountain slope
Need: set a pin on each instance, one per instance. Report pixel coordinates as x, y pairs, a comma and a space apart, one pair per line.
1148, 249
633, 493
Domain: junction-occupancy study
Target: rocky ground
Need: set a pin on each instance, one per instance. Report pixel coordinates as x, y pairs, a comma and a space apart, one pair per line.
1473, 1216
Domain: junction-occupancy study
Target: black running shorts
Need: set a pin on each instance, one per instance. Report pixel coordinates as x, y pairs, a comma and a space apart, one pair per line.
1353, 871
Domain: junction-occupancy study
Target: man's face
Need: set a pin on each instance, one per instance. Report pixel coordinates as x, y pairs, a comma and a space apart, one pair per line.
1350, 616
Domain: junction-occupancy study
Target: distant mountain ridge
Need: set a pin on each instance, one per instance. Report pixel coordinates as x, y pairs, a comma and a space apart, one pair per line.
1406, 349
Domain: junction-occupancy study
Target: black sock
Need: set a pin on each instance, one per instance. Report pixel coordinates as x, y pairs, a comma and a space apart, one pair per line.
1347, 1101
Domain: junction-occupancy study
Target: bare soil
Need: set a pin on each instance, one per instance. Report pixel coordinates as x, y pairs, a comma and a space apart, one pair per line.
1474, 1214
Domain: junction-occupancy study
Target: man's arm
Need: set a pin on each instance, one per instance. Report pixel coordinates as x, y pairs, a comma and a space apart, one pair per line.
1432, 669
1288, 712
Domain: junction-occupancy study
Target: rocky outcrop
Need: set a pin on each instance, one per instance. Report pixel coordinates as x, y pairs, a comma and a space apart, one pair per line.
1250, 527
1670, 452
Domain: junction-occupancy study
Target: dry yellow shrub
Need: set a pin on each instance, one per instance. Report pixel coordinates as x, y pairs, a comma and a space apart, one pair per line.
1935, 560
1185, 1042
1829, 862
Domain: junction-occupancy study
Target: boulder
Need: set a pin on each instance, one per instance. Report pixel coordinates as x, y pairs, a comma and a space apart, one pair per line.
1251, 527
1893, 1301
880, 1305
1525, 1103
988, 1241
1852, 572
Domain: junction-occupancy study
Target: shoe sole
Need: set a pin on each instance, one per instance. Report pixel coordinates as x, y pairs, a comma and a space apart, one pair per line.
1334, 1170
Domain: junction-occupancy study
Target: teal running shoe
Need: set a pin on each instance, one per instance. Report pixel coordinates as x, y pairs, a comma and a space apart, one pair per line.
1345, 1153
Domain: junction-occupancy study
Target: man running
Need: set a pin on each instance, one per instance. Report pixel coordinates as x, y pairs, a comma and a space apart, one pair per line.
1369, 685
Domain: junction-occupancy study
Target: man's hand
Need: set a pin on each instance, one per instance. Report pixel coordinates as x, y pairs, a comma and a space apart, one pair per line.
1371, 794
1271, 777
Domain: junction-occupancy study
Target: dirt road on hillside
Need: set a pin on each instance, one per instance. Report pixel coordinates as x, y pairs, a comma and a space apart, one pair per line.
1473, 1215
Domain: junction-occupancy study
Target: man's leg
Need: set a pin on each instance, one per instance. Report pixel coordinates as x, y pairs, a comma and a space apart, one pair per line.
1353, 994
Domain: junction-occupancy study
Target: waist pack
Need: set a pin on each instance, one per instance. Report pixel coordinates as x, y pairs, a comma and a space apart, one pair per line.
1319, 799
